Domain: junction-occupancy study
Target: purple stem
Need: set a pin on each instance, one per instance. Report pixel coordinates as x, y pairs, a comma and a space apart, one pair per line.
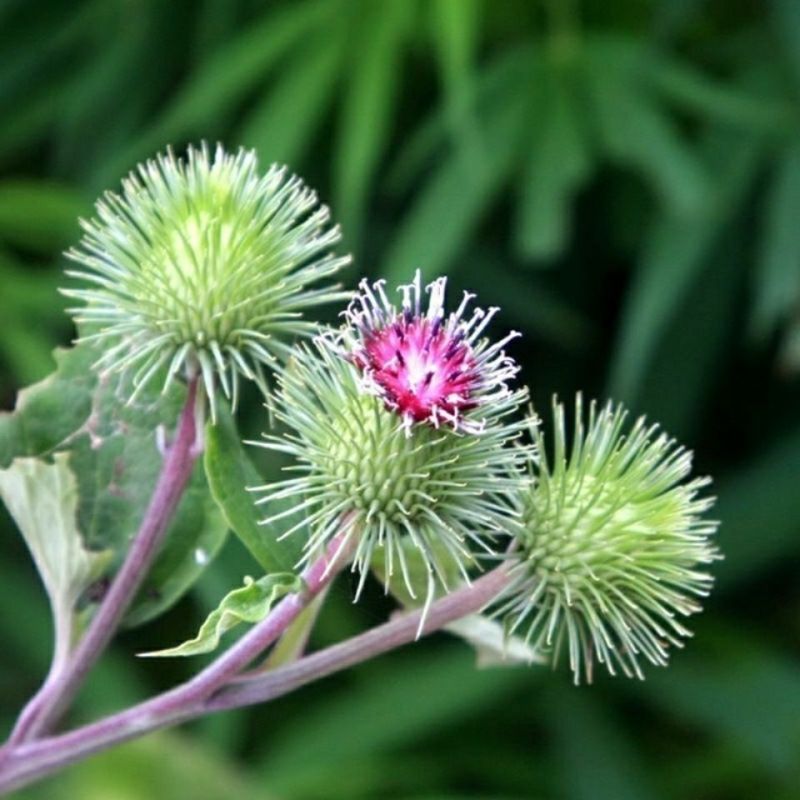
29, 762
403, 629
46, 707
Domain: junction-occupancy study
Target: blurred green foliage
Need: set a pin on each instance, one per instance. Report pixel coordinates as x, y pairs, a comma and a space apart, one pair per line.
623, 179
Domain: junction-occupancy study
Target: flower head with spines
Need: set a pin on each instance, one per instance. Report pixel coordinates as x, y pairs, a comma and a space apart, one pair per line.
203, 265
391, 481
612, 545
428, 366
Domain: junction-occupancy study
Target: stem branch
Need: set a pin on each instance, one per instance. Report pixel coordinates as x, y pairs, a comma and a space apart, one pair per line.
26, 763
46, 707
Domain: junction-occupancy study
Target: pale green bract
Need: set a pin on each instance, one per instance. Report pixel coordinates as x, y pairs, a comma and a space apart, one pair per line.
612, 546
203, 265
248, 604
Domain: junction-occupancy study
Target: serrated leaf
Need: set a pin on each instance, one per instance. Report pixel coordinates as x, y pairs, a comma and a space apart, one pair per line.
42, 498
249, 604
230, 472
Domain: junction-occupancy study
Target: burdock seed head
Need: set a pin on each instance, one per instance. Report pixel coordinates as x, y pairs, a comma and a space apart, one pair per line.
613, 545
203, 265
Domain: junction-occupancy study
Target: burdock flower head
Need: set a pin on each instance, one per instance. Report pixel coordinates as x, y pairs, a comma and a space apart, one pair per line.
367, 407
425, 365
612, 546
203, 265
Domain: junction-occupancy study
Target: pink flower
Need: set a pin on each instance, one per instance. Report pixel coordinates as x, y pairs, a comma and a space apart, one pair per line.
428, 366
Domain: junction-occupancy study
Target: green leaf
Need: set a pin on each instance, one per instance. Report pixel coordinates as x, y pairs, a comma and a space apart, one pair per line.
49, 412
439, 225
195, 538
29, 293
281, 125
43, 500
373, 82
588, 736
674, 253
249, 604
38, 215
294, 640
456, 35
688, 87
785, 19
777, 285
230, 472
559, 161
759, 506
529, 302
733, 686
235, 68
164, 764
694, 353
635, 132
115, 458
398, 702
497, 80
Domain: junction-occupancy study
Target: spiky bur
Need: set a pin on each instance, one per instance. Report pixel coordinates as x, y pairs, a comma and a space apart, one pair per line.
362, 470
612, 546
203, 265
428, 366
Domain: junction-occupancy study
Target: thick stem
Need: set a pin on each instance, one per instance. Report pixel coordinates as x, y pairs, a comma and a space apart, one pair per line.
58, 691
29, 762
26, 762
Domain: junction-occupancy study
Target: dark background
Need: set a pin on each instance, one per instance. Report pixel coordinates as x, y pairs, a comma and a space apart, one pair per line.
623, 178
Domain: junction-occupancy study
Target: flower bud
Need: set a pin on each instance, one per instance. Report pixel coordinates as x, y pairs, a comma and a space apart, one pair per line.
373, 463
203, 265
611, 546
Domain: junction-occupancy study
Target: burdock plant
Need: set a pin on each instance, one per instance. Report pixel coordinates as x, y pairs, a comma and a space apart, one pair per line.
407, 456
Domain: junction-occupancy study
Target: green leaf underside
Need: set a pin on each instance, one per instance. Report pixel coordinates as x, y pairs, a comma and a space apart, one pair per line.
230, 471
249, 604
197, 535
42, 498
114, 456
493, 647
